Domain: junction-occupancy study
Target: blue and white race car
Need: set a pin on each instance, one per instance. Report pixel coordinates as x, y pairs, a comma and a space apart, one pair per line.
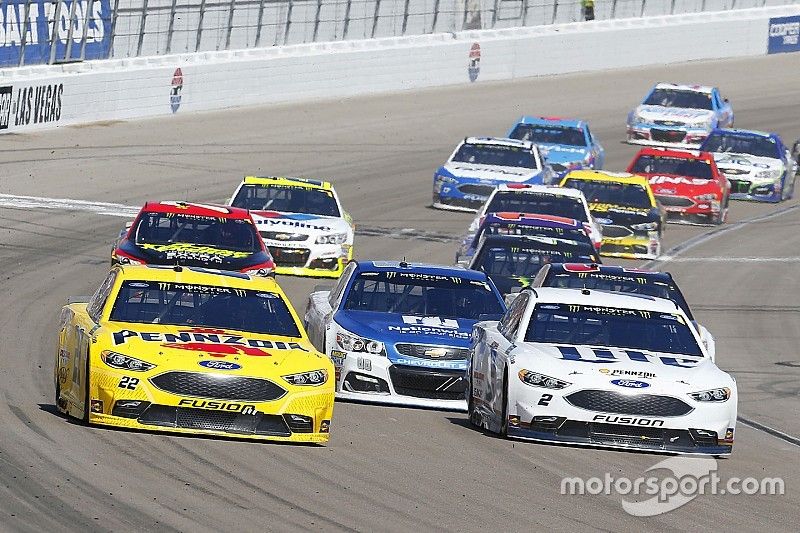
757, 164
480, 164
399, 333
678, 115
566, 144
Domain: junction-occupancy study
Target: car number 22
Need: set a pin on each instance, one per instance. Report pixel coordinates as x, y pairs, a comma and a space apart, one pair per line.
128, 383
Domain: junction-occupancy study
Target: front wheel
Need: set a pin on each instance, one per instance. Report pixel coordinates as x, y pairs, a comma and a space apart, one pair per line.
86, 403
504, 410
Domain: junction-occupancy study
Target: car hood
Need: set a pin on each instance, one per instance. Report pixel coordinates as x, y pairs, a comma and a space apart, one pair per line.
673, 184
391, 328
488, 173
299, 223
584, 366
190, 254
563, 154
191, 347
657, 112
733, 165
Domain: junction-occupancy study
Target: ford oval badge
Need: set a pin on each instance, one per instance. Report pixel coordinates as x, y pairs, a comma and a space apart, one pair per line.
630, 383
220, 365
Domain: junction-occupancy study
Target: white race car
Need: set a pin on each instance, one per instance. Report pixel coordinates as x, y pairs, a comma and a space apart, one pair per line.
603, 369
538, 200
301, 221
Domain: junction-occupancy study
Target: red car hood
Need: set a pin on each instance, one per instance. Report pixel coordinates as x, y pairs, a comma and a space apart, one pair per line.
671, 184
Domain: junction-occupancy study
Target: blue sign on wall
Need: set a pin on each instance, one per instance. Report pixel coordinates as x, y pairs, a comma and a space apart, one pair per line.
784, 35
38, 16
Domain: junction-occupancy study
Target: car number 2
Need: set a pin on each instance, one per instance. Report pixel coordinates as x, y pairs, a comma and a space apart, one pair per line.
128, 383
545, 399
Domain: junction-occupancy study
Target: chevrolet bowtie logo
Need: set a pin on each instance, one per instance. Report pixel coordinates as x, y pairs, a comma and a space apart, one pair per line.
282, 236
435, 352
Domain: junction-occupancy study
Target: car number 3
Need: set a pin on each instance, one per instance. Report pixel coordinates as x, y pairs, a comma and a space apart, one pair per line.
128, 383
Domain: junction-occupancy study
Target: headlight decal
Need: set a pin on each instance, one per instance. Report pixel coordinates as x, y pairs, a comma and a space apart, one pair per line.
125, 362
721, 394
353, 343
313, 378
534, 379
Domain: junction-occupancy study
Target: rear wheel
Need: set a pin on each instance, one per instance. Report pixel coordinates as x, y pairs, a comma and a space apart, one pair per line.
86, 406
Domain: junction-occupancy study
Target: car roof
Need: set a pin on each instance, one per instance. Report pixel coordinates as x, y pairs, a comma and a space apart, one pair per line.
287, 181
548, 189
532, 219
420, 268
571, 122
499, 141
684, 87
191, 208
602, 175
605, 299
743, 133
682, 154
578, 268
198, 276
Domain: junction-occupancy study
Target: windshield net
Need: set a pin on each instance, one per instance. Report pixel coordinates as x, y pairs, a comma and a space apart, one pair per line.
495, 154
630, 283
679, 98
539, 203
184, 304
611, 327
287, 199
550, 134
678, 166
742, 144
422, 294
612, 192
224, 233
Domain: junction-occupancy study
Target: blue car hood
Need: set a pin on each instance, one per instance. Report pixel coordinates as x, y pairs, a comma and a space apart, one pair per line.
559, 153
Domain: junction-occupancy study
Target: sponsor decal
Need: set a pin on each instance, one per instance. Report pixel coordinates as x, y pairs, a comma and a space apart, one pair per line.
458, 365
431, 321
630, 383
571, 353
338, 357
425, 330
474, 66
6, 96
37, 104
627, 373
220, 365
217, 343
676, 180
613, 208
185, 250
783, 35
231, 407
628, 420
364, 364
96, 406
175, 91
292, 223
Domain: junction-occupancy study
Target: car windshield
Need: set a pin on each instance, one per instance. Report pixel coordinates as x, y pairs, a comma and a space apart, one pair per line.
495, 154
413, 293
628, 283
611, 327
510, 228
540, 203
612, 192
549, 134
679, 98
225, 233
678, 166
742, 144
525, 260
287, 199
207, 306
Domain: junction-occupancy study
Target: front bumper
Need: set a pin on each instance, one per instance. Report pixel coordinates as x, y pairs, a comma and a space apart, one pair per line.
658, 135
375, 379
311, 260
297, 416
683, 209
632, 247
743, 189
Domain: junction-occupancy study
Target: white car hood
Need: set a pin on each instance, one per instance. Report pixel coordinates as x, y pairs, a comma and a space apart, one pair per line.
734, 165
311, 225
656, 112
587, 367
491, 172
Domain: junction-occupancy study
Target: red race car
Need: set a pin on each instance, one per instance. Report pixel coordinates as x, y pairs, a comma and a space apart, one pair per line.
687, 183
198, 235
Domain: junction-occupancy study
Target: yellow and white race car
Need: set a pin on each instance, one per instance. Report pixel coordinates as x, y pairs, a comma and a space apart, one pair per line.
189, 350
302, 222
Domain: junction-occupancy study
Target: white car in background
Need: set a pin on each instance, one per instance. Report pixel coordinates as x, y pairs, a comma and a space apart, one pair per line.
301, 221
596, 368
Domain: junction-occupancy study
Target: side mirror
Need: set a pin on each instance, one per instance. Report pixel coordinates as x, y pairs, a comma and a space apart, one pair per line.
128, 224
510, 297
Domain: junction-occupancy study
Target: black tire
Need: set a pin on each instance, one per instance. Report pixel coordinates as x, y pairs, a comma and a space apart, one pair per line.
504, 420
471, 414
86, 406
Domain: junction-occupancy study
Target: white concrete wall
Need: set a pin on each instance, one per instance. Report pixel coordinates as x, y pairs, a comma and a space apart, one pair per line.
133, 88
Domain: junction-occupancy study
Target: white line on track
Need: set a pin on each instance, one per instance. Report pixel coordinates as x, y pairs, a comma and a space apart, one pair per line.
66, 204
794, 259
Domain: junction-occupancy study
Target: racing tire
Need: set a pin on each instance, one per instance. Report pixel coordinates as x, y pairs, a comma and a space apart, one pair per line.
471, 414
504, 410
86, 405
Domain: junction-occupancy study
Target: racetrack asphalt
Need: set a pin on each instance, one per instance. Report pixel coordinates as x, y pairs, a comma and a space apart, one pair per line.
385, 469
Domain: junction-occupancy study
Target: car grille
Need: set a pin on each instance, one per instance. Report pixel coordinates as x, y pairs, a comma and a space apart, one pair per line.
208, 420
614, 232
625, 435
219, 387
667, 136
283, 236
289, 256
734, 171
672, 123
674, 201
636, 404
480, 190
428, 383
740, 186
427, 351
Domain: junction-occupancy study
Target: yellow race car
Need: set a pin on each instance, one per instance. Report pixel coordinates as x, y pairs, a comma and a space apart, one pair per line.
624, 206
302, 222
189, 350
